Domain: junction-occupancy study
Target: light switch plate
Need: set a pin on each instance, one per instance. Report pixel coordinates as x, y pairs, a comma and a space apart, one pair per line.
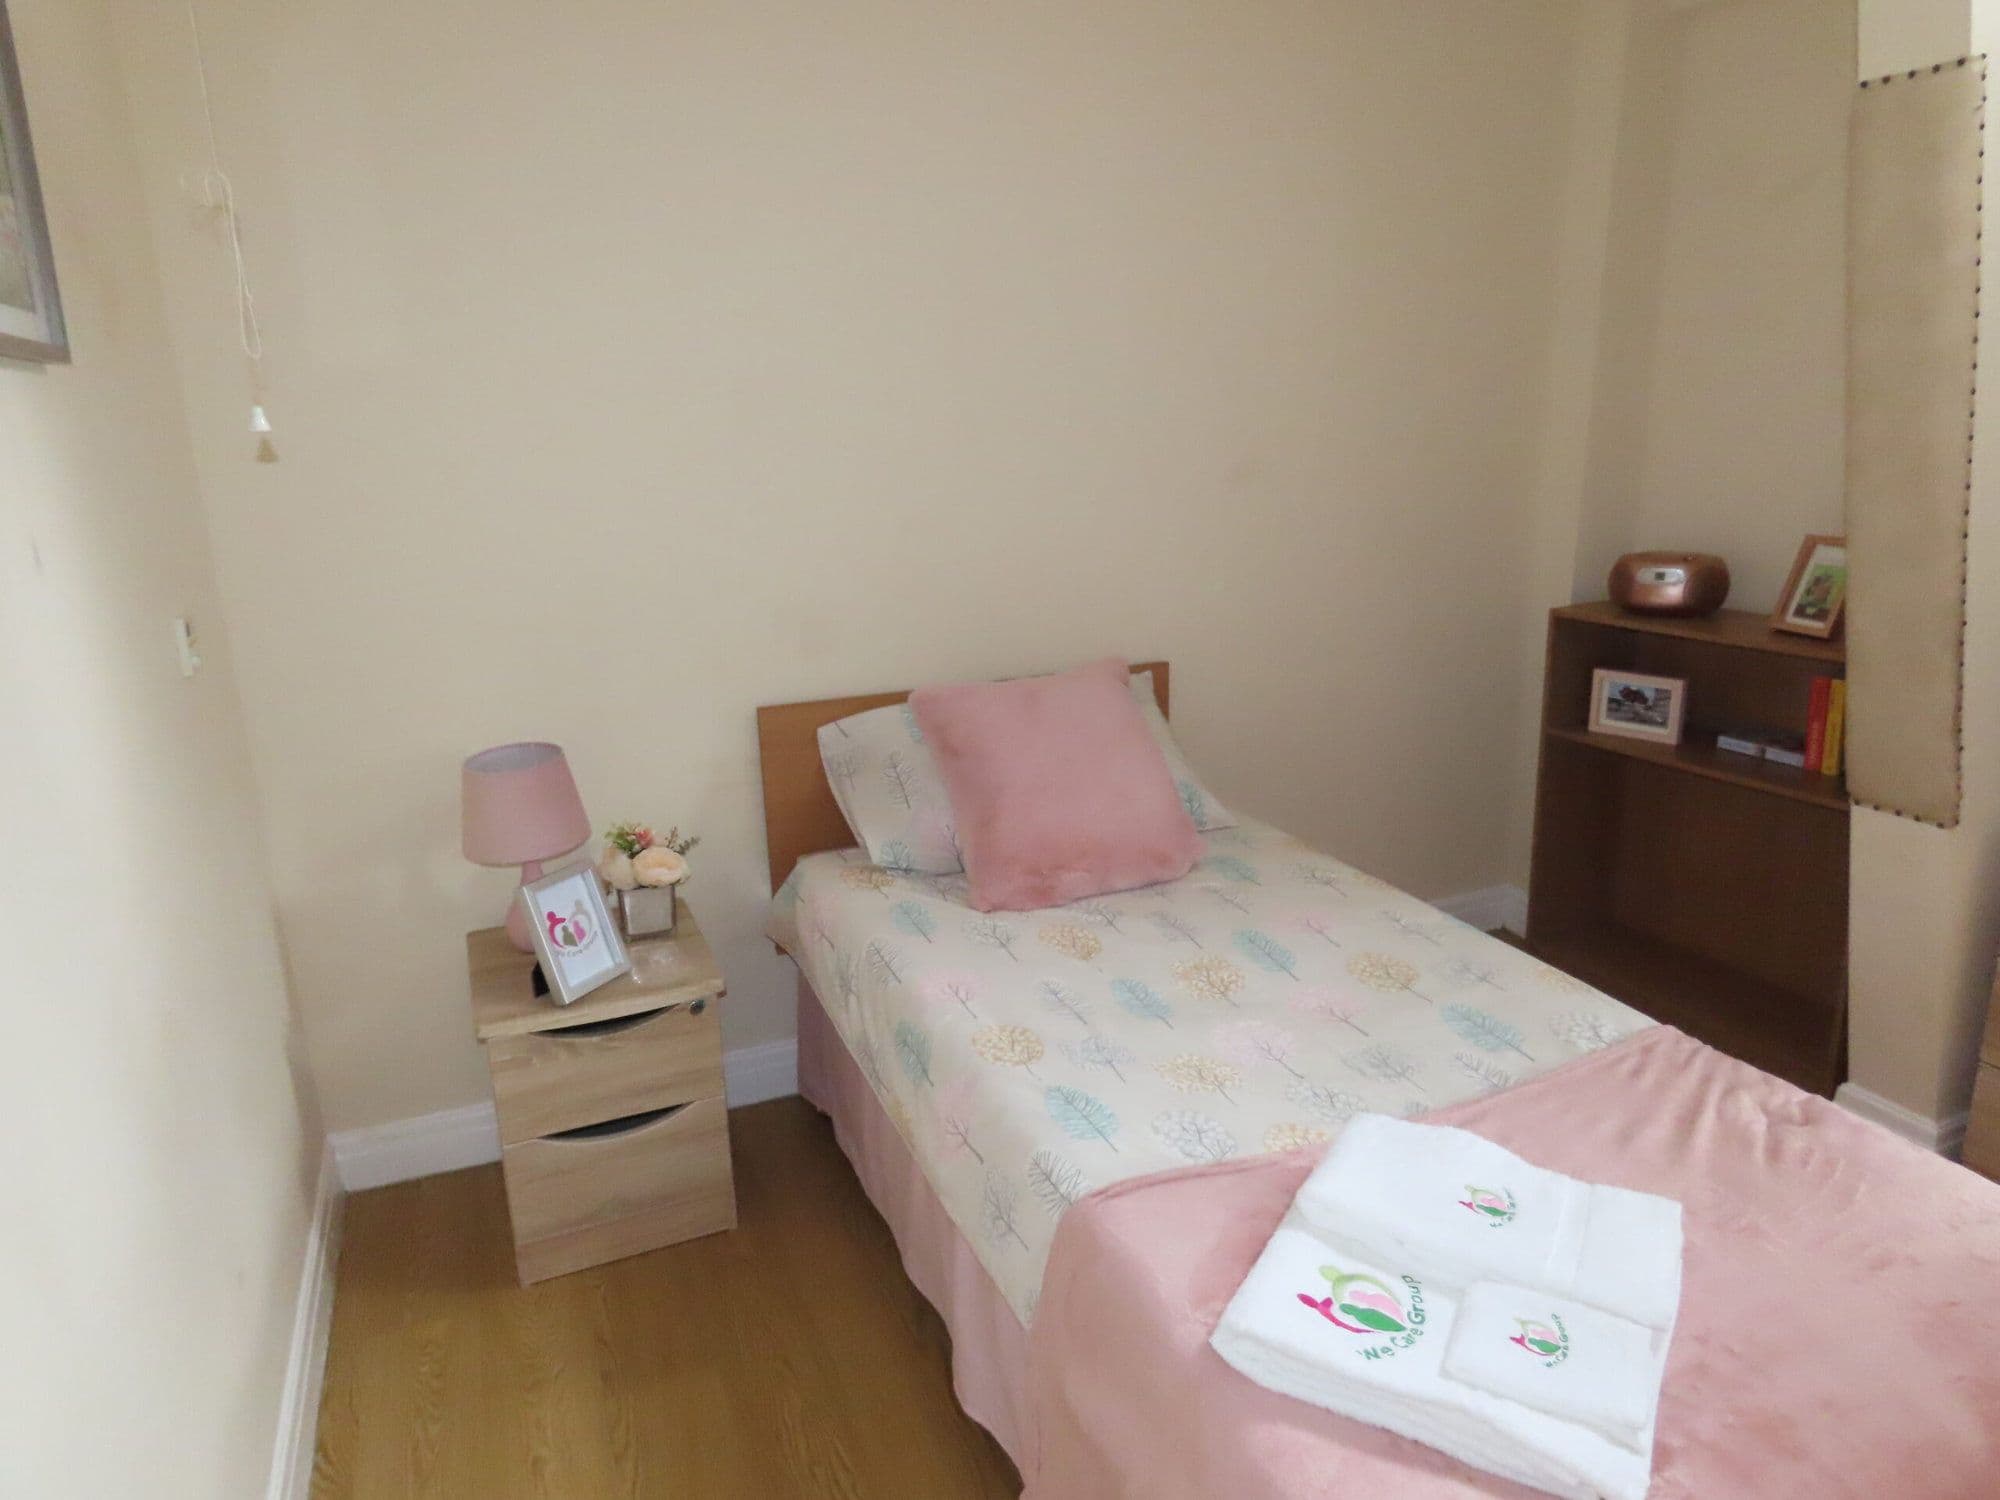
190, 658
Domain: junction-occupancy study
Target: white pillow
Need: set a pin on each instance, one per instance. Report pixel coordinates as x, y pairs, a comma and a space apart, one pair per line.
889, 790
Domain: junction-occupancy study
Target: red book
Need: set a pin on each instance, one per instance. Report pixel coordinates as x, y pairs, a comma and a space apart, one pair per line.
1822, 693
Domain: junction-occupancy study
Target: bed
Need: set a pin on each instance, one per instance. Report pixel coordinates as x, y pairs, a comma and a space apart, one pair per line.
1111, 1102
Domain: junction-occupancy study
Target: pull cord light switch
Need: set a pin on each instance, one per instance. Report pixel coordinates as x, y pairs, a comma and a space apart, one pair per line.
184, 645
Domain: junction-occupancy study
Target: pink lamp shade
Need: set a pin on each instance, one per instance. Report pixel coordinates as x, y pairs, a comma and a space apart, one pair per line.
519, 807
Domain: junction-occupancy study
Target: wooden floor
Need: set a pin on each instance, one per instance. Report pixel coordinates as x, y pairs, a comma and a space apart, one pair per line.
789, 1357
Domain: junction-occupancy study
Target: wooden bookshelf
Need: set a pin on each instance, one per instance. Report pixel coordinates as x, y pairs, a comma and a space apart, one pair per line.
1705, 888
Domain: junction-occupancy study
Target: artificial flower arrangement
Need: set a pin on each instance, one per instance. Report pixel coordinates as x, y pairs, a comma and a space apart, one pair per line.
635, 856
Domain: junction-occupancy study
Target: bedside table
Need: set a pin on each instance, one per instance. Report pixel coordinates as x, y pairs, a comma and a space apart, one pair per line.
614, 1136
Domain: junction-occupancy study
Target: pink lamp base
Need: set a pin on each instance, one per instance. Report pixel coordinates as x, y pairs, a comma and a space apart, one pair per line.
519, 933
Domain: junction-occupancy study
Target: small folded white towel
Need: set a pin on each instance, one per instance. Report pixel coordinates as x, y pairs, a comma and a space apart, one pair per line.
1453, 1208
1367, 1339
1560, 1357
1629, 1263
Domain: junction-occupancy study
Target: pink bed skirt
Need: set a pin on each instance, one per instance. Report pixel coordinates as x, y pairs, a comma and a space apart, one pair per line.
989, 1347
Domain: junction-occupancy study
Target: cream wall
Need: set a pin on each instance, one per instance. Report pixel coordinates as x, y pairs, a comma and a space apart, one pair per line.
1606, 264
1897, 35
1720, 397
162, 1149
636, 365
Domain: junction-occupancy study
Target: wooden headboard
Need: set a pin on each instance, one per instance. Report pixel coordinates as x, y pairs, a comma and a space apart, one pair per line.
800, 815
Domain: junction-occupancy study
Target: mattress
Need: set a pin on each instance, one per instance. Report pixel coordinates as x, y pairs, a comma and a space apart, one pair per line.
1029, 1058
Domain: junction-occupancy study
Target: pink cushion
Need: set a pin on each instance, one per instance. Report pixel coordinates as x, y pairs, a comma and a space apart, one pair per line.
1057, 787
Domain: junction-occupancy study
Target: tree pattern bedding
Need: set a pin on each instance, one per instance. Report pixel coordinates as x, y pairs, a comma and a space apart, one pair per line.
1253, 1005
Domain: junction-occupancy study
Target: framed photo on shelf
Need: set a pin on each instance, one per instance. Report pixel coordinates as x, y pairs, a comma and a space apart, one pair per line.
575, 939
1817, 590
1637, 705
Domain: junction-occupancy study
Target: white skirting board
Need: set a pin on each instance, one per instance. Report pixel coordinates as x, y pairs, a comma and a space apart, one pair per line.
312, 1323
1495, 906
468, 1136
1945, 1137
751, 1075
421, 1146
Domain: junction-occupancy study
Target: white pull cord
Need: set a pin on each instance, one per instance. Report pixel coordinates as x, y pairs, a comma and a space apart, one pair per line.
219, 193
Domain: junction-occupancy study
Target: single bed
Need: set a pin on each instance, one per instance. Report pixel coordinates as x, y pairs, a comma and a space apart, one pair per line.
988, 1075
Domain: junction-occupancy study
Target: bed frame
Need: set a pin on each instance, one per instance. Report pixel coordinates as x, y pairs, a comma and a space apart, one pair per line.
800, 815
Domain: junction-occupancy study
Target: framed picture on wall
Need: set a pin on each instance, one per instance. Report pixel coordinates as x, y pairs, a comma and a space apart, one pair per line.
1637, 706
1816, 592
575, 939
31, 320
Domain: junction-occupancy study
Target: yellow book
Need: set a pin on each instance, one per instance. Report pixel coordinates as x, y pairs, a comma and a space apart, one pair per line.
1836, 727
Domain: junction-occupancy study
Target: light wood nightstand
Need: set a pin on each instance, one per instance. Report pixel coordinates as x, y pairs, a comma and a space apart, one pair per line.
614, 1135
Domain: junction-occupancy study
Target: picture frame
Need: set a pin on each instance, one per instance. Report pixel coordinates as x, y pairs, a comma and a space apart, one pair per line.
576, 941
1816, 590
1637, 705
31, 317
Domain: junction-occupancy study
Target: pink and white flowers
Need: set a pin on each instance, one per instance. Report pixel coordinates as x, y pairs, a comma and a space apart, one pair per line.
634, 856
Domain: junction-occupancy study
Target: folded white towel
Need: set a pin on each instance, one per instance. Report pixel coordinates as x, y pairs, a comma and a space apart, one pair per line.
1560, 1357
1454, 1208
1366, 1338
1629, 1262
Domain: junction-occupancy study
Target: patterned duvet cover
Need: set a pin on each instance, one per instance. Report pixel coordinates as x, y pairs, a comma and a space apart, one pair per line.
1253, 1005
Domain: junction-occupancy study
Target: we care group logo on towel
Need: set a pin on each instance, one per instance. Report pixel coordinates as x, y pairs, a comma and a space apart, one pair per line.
1367, 1305
1496, 1209
1549, 1345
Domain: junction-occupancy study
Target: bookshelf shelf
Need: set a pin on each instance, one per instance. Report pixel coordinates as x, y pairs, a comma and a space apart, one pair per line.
1698, 756
1705, 888
1737, 629
1766, 1025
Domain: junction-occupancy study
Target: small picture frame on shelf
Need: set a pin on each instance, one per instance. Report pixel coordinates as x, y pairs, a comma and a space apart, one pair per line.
576, 941
1637, 706
1816, 592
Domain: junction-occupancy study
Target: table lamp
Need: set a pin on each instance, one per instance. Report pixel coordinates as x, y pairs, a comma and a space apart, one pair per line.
520, 807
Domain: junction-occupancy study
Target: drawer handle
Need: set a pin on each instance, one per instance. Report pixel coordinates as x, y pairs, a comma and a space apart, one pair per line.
612, 1128
611, 1027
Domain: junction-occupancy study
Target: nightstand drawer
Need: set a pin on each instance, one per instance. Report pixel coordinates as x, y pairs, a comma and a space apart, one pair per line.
612, 1190
546, 1081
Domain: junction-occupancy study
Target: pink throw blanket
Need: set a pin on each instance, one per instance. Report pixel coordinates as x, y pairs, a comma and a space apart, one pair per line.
1839, 1332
